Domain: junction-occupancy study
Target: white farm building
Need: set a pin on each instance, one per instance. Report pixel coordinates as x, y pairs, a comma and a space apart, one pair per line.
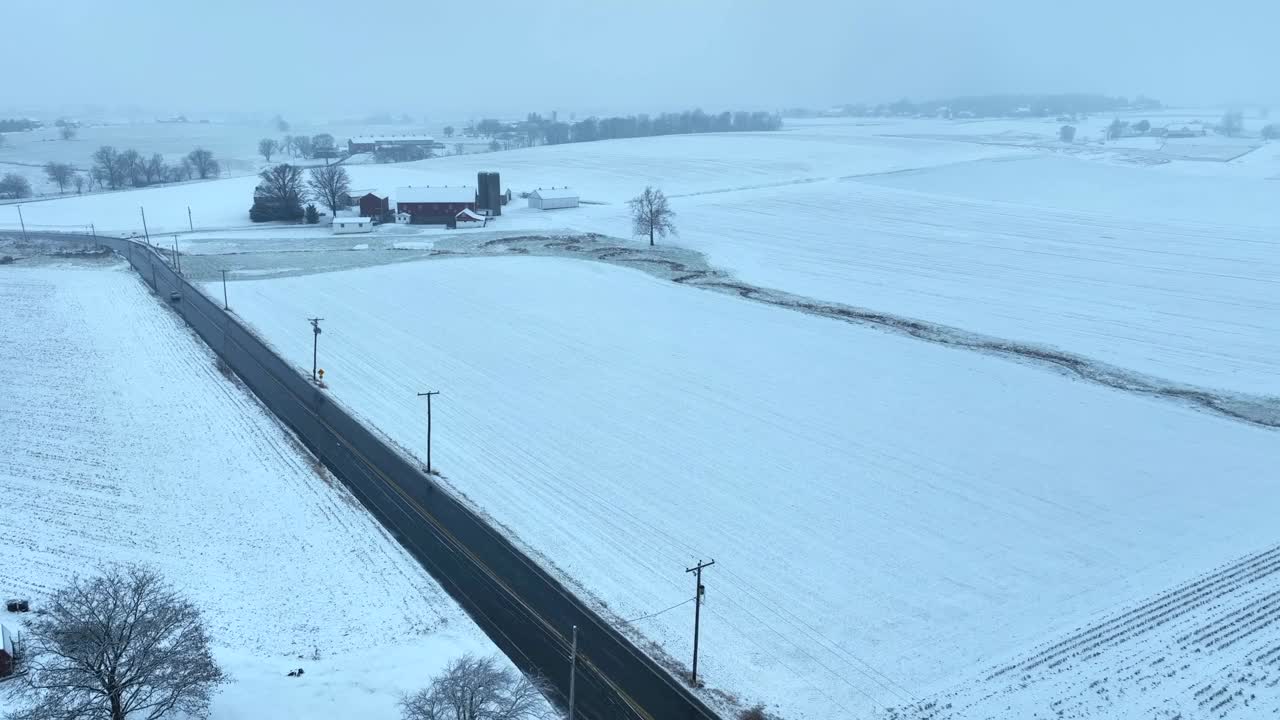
553, 198
348, 225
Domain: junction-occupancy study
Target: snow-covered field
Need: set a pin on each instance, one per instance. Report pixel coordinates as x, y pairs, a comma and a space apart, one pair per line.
892, 520
886, 515
122, 442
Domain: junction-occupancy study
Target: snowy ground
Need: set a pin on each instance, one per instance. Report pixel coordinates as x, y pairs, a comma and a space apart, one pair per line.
886, 515
124, 443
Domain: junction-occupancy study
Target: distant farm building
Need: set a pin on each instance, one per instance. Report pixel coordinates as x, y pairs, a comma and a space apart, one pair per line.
349, 225
351, 198
6, 652
553, 198
435, 205
374, 206
372, 143
469, 218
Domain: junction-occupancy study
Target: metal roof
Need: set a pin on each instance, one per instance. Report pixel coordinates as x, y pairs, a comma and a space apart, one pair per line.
437, 194
563, 193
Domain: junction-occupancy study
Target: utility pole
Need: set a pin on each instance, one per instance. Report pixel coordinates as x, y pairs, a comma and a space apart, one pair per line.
428, 395
145, 234
315, 342
23, 223
573, 669
190, 225
177, 256
94, 231
697, 612
224, 291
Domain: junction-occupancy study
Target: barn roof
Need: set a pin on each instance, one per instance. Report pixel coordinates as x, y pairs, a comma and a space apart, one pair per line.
438, 194
563, 193
467, 214
6, 641
366, 139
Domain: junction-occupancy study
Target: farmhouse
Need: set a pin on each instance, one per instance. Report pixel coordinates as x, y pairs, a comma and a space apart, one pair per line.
553, 198
348, 225
438, 205
6, 652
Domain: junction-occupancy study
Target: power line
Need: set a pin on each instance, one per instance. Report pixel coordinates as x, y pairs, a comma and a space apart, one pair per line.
646, 617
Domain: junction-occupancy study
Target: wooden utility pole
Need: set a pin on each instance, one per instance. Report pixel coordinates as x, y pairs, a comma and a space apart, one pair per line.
190, 225
225, 306
697, 612
315, 343
23, 223
428, 395
145, 234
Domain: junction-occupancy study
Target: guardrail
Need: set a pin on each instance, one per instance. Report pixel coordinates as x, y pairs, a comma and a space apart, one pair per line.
525, 611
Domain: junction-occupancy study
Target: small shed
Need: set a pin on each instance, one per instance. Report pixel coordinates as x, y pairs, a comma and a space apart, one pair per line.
553, 198
469, 218
403, 218
6, 652
349, 225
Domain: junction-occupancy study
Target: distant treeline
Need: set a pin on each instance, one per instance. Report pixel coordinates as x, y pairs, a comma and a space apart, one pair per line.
19, 124
992, 106
536, 129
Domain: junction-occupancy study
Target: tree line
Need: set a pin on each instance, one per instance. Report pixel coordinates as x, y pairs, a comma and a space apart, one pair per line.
537, 130
306, 147
282, 190
1043, 105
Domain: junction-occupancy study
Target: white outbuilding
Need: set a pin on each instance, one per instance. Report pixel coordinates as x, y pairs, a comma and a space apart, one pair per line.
349, 225
553, 198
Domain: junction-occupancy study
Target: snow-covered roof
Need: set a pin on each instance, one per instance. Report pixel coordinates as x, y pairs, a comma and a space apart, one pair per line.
366, 139
353, 220
362, 192
437, 194
563, 193
467, 214
6, 641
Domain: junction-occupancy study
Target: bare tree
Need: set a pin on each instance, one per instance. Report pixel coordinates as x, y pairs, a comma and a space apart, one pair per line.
328, 184
279, 194
1232, 123
474, 688
202, 163
287, 146
448, 131
15, 186
67, 132
107, 167
457, 148
153, 170
130, 163
120, 645
651, 215
78, 182
59, 174
267, 147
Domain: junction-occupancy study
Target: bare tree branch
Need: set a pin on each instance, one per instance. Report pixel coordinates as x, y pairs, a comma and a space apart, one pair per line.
120, 645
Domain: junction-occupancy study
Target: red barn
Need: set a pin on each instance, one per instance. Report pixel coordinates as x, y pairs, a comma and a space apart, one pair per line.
439, 205
373, 206
6, 652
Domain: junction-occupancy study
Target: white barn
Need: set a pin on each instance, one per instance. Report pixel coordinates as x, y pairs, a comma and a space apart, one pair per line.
553, 198
348, 225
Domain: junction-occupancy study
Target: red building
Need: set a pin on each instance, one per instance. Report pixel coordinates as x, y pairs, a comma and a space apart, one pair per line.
439, 205
372, 206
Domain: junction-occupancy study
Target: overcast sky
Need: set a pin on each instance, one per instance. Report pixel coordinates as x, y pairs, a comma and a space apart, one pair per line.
351, 58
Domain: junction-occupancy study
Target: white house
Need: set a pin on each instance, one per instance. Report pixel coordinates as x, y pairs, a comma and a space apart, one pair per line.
348, 225
553, 198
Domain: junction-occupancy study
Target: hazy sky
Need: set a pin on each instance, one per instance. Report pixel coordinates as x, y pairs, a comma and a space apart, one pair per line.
607, 55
